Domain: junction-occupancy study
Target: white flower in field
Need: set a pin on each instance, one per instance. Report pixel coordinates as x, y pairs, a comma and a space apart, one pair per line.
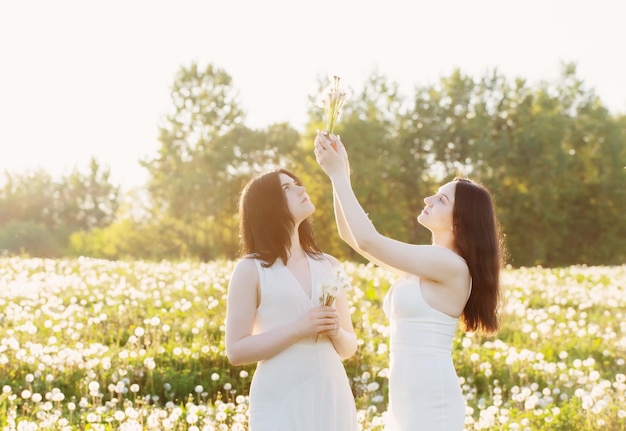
198, 389
6, 389
372, 387
131, 426
220, 416
57, 396
134, 388
377, 399
154, 420
26, 394
119, 415
139, 331
587, 402
215, 377
25, 425
149, 363
243, 374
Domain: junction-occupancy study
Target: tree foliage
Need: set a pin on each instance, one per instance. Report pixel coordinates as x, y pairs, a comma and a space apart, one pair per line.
553, 156
39, 213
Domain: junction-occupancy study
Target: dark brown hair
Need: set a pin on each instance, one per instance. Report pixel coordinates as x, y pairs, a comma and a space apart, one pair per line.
266, 224
478, 240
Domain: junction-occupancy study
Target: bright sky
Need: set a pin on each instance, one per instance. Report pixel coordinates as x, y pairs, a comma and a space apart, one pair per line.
86, 78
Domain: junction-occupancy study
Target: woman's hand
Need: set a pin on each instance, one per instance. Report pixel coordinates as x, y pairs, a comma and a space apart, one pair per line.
321, 319
331, 154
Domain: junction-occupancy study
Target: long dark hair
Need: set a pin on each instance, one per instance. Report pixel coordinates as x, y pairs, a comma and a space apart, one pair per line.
266, 224
479, 241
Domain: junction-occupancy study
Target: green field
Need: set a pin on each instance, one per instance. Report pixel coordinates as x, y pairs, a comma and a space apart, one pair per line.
98, 345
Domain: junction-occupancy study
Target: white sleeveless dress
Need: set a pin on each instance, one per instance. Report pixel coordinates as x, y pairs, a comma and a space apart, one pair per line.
305, 387
424, 390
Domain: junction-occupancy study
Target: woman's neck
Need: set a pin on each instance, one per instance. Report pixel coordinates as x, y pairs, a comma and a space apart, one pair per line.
444, 239
296, 250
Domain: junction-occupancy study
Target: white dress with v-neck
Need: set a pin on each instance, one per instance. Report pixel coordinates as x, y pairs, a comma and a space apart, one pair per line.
424, 390
305, 387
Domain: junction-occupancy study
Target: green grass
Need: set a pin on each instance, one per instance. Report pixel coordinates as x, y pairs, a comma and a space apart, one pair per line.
96, 345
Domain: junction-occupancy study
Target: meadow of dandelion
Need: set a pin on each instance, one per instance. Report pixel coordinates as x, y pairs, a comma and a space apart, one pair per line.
91, 344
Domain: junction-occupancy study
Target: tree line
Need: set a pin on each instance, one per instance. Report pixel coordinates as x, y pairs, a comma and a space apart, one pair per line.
552, 154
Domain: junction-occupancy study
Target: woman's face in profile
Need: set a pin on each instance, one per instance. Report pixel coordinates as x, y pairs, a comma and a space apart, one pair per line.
437, 214
297, 198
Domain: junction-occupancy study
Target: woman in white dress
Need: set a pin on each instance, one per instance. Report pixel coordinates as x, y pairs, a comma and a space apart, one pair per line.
275, 318
454, 278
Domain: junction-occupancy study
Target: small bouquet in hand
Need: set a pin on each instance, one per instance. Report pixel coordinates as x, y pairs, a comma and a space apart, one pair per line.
332, 287
332, 99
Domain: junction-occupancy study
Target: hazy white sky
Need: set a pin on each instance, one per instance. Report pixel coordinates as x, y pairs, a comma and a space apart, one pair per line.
92, 78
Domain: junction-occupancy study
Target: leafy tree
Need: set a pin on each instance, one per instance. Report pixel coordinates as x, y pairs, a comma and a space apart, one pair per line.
87, 200
28, 197
34, 205
206, 156
29, 238
546, 153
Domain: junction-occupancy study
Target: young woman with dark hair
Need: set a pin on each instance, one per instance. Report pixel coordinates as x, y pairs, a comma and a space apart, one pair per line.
274, 316
455, 278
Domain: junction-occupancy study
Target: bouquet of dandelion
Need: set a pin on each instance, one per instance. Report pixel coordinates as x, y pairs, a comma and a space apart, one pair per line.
332, 287
332, 99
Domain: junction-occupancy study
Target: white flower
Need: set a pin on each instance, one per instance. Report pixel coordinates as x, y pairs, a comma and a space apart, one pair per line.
332, 99
332, 287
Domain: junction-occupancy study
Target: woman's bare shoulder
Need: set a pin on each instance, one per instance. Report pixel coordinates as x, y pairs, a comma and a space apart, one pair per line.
246, 266
332, 260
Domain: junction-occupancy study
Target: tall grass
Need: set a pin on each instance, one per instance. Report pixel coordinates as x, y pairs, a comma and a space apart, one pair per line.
97, 345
